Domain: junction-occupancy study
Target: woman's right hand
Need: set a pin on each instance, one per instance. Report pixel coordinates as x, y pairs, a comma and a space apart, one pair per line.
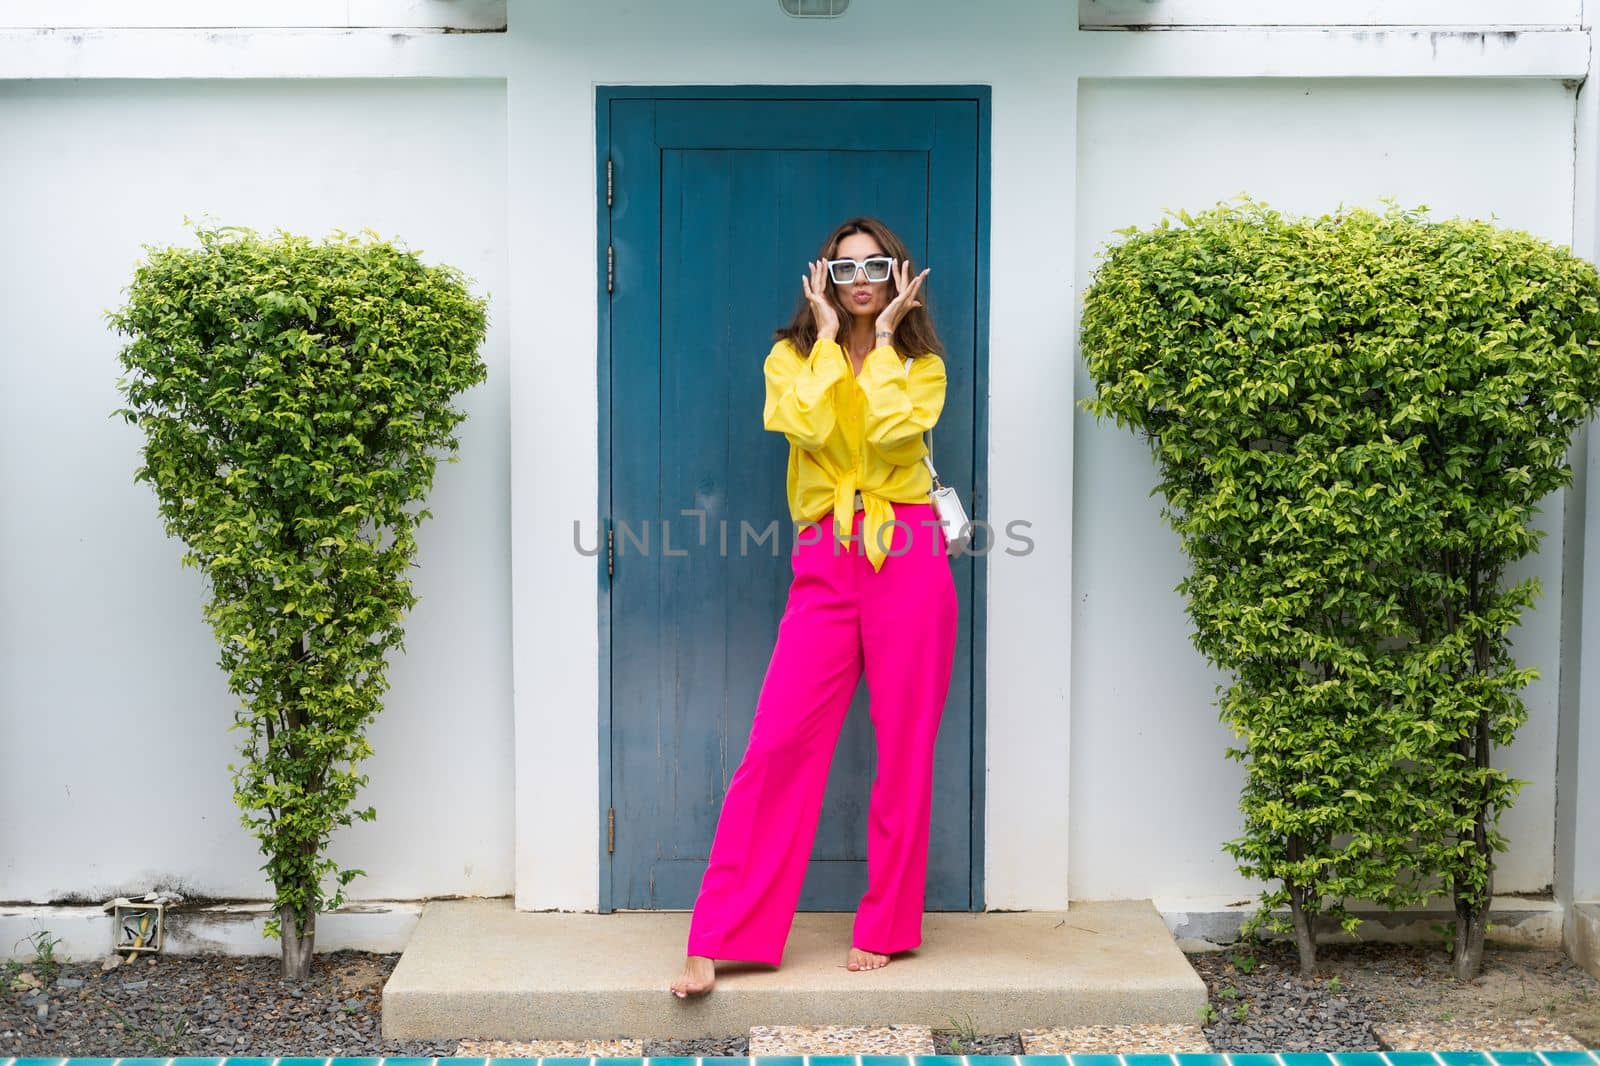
815, 287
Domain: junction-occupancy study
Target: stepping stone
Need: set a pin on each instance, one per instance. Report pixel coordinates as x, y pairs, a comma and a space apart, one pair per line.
841, 1040
505, 1049
1115, 1040
1529, 1034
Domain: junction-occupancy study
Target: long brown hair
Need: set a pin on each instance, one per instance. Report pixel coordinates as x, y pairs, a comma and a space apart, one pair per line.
914, 335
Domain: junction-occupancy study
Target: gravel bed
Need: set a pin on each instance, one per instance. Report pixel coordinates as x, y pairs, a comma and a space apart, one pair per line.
710, 1045
1261, 1004
1271, 1009
228, 1005
204, 1005
945, 1042
953, 1042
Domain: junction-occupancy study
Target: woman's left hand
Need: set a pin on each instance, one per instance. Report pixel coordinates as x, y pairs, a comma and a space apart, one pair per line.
904, 300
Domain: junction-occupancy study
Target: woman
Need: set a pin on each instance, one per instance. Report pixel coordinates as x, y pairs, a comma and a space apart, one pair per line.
876, 594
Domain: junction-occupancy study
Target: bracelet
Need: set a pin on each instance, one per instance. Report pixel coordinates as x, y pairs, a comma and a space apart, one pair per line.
883, 333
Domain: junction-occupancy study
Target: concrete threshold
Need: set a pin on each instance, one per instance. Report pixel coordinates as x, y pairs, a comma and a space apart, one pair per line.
478, 968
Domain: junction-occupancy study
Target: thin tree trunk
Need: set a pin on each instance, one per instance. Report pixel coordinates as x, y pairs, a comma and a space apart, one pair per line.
297, 950
1471, 925
1304, 940
1472, 920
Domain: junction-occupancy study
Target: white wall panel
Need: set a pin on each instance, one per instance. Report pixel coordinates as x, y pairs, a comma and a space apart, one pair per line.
1151, 798
113, 714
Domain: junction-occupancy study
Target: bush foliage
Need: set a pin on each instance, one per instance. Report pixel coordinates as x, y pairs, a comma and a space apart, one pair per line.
1354, 417
293, 397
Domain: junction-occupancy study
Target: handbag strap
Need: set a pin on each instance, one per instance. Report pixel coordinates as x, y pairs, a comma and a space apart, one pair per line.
928, 436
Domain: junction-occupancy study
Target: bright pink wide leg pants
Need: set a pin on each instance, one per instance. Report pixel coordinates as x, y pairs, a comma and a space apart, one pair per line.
899, 625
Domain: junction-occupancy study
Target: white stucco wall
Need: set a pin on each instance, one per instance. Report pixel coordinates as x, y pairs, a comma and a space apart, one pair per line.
1045, 711
113, 715
560, 54
1143, 709
485, 776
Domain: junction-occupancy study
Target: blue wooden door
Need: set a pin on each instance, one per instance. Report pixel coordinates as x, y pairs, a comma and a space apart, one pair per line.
716, 206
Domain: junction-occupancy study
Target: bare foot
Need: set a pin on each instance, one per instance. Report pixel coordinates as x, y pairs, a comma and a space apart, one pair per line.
699, 974
865, 960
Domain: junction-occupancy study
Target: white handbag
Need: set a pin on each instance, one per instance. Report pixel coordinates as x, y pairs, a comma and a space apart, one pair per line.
952, 515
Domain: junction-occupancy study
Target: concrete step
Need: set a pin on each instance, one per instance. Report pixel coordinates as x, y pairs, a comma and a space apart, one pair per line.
481, 969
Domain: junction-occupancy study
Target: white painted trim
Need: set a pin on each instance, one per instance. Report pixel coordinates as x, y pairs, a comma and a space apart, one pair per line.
1205, 922
1346, 53
196, 14
250, 53
86, 931
1110, 13
1181, 53
1577, 860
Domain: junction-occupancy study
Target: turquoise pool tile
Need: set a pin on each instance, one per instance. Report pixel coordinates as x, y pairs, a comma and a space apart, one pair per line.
1056, 1060
779, 1060
670, 1060
51, 1062
574, 1061
1407, 1058
1571, 1058
833, 1060
372, 1062
887, 1060
248, 1060
983, 1060
726, 1060
621, 1061
1515, 1058
922, 1060
302, 1061
1200, 1059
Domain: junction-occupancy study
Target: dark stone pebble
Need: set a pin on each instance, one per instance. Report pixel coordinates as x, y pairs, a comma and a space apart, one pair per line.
1280, 1011
205, 1005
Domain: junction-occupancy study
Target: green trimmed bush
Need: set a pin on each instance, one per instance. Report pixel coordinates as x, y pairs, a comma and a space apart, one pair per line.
293, 397
1354, 417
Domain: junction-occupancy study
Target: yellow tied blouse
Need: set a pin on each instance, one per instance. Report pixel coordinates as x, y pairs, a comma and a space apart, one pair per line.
849, 433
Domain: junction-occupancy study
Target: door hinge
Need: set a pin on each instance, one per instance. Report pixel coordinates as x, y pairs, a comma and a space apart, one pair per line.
611, 830
608, 183
611, 268
611, 550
